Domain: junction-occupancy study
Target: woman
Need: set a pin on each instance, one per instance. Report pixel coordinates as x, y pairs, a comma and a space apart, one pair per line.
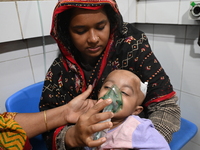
94, 40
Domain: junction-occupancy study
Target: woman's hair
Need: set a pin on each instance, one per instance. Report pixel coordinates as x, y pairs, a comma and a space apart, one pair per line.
64, 18
114, 18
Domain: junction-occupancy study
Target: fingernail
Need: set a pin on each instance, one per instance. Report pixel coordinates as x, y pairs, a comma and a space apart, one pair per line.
109, 100
110, 124
103, 139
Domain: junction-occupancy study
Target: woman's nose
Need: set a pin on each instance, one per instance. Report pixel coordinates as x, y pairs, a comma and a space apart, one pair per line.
93, 37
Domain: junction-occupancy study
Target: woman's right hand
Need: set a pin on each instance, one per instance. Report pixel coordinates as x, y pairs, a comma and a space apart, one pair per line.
77, 106
89, 123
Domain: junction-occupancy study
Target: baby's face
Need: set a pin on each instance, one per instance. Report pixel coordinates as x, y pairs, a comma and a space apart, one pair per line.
129, 85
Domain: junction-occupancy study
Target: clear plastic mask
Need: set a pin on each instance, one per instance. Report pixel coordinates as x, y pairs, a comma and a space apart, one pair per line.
115, 94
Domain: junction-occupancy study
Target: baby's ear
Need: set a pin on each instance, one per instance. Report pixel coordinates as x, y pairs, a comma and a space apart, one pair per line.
138, 110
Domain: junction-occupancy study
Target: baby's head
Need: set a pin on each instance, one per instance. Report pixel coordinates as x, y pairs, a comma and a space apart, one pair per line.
132, 89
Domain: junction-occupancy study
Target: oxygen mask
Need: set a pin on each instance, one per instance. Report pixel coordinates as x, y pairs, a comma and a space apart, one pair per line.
115, 94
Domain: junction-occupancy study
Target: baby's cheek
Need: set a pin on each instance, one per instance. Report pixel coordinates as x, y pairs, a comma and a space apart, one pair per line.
101, 93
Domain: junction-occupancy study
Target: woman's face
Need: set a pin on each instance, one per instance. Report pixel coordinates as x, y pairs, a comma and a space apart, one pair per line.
89, 30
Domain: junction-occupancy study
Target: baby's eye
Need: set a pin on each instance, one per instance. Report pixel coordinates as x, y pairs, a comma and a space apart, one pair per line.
107, 87
124, 93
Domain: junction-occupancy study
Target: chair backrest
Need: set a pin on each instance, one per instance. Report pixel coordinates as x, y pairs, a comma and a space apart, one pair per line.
27, 101
186, 132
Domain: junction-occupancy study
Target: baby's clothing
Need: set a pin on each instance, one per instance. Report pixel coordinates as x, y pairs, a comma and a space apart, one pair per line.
135, 133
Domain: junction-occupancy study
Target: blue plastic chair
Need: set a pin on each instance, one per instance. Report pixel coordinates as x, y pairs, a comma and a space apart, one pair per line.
27, 101
180, 138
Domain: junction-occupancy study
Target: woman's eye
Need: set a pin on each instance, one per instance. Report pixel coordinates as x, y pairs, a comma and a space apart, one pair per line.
101, 28
80, 32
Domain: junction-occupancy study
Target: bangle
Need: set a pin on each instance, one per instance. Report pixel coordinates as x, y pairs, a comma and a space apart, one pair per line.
60, 139
45, 120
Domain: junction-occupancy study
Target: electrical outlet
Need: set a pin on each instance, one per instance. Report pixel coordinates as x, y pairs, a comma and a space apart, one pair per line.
194, 11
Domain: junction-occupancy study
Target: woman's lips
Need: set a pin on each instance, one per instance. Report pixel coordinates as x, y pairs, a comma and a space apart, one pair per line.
94, 49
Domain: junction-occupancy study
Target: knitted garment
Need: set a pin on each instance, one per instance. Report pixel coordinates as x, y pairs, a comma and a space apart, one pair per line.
12, 136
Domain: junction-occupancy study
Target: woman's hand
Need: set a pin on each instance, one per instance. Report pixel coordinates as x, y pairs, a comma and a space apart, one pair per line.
88, 124
78, 106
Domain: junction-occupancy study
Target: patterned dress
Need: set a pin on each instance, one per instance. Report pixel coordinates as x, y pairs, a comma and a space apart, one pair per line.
128, 49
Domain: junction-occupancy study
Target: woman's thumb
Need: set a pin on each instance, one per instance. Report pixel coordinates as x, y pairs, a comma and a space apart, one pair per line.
87, 92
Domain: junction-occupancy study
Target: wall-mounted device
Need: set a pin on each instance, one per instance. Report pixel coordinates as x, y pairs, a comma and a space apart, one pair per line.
194, 10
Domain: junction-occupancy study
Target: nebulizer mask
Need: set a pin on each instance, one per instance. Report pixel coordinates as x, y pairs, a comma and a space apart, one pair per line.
115, 94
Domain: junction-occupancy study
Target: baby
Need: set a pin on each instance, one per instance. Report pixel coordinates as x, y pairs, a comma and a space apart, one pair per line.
129, 131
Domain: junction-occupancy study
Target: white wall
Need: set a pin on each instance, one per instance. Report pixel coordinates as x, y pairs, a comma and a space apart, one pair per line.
173, 40
22, 64
25, 19
165, 12
29, 19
